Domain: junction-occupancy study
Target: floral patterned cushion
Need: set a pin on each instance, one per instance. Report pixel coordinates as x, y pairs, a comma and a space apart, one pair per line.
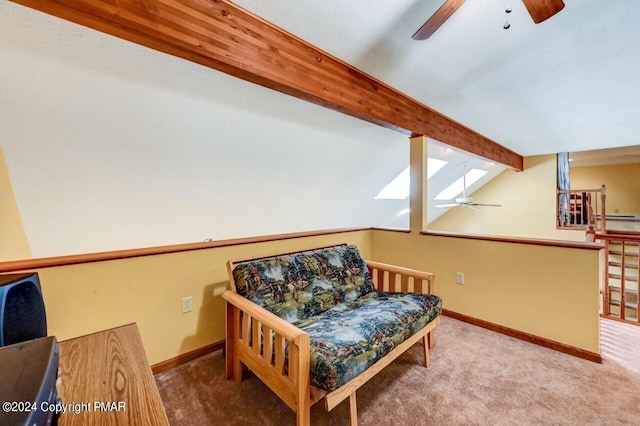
352, 336
302, 285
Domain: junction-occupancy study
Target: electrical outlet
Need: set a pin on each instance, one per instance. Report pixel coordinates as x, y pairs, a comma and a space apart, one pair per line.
459, 277
187, 305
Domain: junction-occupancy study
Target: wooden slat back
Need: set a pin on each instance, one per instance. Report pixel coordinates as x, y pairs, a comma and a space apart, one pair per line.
279, 362
244, 337
421, 286
294, 364
380, 282
267, 352
395, 279
404, 283
255, 336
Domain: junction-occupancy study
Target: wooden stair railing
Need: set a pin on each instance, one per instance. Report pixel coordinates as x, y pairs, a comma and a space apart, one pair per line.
620, 292
581, 208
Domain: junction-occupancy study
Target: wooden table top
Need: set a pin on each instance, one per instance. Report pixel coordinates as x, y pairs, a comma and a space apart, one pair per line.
106, 380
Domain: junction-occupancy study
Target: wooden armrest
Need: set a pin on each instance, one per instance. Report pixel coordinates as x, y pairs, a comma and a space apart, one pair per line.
386, 278
274, 322
400, 270
275, 350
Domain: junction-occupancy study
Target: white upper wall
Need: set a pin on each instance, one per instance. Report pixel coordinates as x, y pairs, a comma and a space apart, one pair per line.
110, 145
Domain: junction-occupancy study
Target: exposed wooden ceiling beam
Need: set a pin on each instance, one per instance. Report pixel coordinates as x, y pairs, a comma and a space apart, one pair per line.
223, 36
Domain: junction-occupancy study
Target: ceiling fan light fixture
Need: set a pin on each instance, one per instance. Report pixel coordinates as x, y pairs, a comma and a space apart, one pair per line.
539, 10
507, 11
464, 201
460, 185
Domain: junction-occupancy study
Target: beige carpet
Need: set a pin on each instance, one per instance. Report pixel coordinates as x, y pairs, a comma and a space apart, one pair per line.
620, 343
477, 377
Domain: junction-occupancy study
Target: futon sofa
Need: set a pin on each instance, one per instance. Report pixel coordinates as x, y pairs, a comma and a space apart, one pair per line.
320, 323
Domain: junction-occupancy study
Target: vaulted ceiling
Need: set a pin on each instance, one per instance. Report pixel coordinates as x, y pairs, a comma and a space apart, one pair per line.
571, 83
116, 140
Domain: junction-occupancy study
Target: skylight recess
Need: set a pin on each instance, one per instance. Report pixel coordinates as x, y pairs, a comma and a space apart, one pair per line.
456, 188
400, 187
433, 166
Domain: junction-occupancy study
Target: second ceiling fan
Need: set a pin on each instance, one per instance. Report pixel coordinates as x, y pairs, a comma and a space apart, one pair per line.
465, 201
540, 10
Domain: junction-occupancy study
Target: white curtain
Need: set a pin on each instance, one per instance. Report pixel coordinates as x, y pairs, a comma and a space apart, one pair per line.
563, 185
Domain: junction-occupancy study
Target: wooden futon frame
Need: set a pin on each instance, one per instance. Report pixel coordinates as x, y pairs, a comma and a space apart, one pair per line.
278, 352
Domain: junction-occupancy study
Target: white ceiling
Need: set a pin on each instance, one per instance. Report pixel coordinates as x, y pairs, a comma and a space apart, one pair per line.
106, 141
601, 157
571, 83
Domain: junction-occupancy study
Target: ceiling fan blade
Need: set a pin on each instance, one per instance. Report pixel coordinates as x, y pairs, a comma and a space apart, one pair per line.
485, 205
541, 10
437, 19
447, 205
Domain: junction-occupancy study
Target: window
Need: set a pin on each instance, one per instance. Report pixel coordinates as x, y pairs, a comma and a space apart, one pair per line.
399, 188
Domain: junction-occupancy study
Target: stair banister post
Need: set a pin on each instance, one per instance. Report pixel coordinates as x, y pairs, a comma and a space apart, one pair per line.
607, 292
603, 214
591, 233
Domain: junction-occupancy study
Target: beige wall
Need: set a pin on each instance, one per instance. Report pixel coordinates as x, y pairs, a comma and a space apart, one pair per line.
85, 298
531, 289
13, 240
551, 292
528, 205
622, 181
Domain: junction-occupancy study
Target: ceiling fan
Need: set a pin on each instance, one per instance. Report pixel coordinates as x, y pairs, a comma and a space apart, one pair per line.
465, 201
540, 10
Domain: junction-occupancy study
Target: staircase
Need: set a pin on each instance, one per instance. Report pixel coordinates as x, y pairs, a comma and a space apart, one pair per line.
620, 291
585, 209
